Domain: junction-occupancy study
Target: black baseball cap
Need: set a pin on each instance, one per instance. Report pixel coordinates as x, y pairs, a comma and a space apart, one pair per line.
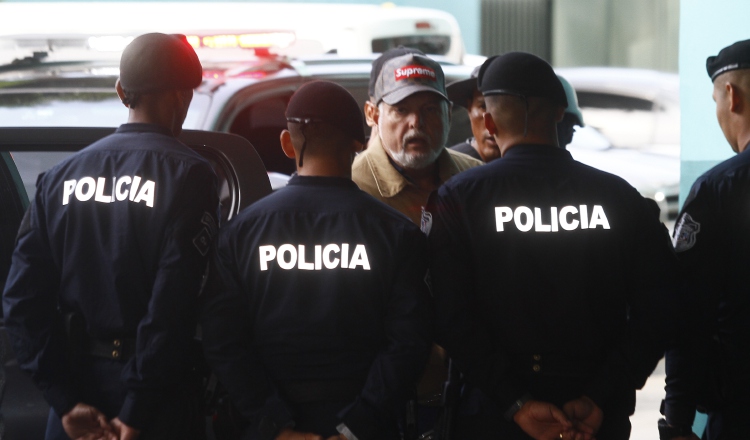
733, 57
156, 62
325, 101
462, 91
377, 64
523, 74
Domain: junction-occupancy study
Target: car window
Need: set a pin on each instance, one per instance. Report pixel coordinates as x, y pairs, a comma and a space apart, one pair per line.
242, 176
261, 124
615, 116
70, 109
612, 101
430, 44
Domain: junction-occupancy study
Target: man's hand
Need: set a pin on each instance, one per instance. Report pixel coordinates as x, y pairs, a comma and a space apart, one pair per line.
124, 432
542, 420
290, 434
586, 417
86, 422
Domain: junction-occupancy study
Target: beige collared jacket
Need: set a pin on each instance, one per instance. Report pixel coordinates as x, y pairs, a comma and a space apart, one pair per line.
373, 172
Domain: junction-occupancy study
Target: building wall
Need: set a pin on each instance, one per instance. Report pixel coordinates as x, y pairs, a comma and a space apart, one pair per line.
626, 33
706, 28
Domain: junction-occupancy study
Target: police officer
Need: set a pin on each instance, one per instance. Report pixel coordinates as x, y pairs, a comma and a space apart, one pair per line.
572, 117
320, 321
551, 278
711, 369
113, 248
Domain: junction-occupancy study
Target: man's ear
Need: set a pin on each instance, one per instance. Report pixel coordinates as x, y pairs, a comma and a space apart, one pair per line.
120, 92
736, 98
371, 114
489, 123
286, 144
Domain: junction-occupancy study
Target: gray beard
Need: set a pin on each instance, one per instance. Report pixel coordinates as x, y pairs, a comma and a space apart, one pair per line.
415, 161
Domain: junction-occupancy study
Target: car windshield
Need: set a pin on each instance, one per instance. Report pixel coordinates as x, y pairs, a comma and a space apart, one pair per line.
34, 108
73, 107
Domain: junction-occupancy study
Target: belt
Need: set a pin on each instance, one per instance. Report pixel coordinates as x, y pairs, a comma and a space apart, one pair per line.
120, 349
316, 391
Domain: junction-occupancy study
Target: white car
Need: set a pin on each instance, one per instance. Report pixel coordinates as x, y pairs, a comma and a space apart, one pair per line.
653, 174
635, 117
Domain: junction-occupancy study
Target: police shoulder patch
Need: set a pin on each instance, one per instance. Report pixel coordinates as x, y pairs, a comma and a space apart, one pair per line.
202, 241
686, 233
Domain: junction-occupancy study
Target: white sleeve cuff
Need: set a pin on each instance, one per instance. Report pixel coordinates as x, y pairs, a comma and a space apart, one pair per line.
346, 432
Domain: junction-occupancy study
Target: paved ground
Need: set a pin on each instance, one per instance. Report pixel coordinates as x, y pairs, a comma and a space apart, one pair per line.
647, 407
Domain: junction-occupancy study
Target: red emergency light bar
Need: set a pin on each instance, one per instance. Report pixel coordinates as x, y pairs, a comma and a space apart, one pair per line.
254, 40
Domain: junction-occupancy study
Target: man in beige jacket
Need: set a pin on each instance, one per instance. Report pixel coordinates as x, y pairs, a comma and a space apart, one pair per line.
407, 159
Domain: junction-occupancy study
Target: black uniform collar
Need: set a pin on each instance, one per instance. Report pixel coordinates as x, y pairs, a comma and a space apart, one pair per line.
340, 182
526, 150
148, 128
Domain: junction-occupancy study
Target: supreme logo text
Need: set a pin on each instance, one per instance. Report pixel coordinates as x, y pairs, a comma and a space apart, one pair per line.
415, 71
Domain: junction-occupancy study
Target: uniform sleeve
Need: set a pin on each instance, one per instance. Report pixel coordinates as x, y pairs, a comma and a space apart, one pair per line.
408, 329
697, 242
32, 321
451, 271
226, 329
166, 332
653, 308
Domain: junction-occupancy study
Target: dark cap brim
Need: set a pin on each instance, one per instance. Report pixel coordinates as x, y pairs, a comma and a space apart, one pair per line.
461, 92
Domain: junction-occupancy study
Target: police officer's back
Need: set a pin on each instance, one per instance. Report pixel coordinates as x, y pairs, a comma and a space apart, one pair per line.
111, 255
549, 276
711, 369
319, 322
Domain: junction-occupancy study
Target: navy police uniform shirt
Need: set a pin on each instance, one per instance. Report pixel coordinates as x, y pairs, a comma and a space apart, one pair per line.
119, 233
320, 284
712, 239
543, 267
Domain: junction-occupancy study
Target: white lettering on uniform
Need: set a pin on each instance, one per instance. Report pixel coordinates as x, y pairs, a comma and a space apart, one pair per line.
359, 258
119, 193
503, 214
100, 197
68, 187
267, 253
90, 185
330, 264
539, 225
288, 257
598, 218
86, 188
284, 264
301, 263
525, 219
523, 226
568, 226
